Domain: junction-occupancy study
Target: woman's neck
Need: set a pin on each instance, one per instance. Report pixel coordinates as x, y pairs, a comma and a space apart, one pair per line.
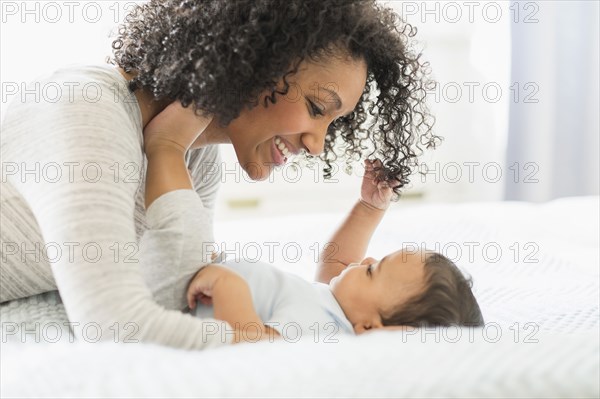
148, 106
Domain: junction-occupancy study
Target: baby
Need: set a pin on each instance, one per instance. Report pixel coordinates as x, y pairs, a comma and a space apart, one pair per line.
405, 288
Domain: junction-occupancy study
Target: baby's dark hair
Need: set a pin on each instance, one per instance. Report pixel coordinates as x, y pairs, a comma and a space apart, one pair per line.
219, 56
447, 299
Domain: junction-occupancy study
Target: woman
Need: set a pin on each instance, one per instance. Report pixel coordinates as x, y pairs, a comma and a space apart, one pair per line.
274, 79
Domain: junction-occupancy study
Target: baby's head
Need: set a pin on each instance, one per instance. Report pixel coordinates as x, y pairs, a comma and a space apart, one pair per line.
406, 288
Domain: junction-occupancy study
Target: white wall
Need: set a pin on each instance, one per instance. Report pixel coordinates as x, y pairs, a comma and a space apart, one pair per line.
467, 44
38, 36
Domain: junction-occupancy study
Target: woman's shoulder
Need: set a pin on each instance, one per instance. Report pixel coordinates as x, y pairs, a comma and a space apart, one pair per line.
79, 72
83, 93
83, 102
78, 85
67, 81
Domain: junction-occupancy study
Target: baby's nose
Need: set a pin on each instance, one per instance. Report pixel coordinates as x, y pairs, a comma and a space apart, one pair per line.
368, 261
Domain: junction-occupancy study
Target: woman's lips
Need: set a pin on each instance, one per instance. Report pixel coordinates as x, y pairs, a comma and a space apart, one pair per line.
278, 157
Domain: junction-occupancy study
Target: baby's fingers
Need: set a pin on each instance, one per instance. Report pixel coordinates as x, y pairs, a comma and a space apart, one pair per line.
192, 294
382, 185
387, 184
205, 300
393, 183
191, 300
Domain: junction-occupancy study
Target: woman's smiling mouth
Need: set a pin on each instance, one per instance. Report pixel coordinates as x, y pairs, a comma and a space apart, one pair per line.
281, 151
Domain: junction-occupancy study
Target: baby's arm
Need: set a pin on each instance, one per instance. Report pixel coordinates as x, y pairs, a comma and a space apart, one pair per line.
350, 242
230, 296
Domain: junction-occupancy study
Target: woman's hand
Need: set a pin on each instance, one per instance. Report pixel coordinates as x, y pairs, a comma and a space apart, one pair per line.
175, 127
374, 191
202, 285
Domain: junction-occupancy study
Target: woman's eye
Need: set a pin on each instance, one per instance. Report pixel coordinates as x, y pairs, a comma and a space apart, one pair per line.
315, 109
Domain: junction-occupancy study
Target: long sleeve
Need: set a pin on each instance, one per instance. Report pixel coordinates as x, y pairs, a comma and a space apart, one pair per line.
175, 245
86, 210
205, 167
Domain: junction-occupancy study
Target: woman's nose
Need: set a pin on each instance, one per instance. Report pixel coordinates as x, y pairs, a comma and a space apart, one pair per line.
315, 142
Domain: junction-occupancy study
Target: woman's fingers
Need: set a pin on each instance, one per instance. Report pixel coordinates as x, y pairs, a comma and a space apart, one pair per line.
175, 126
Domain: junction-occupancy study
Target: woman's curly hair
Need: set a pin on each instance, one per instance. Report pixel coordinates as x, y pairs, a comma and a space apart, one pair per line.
220, 55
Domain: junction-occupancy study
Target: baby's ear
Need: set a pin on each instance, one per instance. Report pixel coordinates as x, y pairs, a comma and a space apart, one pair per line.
360, 329
368, 327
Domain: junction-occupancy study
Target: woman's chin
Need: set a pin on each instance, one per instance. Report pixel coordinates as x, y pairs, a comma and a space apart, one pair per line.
257, 172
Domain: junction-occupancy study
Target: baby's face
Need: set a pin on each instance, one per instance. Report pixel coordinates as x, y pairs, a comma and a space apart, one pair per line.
366, 290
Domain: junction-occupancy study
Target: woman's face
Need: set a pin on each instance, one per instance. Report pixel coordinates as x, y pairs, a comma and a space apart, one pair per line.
267, 137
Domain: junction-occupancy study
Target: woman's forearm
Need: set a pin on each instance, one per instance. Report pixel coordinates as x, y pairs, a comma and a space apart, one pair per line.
167, 171
350, 242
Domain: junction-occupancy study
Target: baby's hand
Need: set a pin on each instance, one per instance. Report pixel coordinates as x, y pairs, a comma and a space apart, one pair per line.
202, 285
374, 191
175, 127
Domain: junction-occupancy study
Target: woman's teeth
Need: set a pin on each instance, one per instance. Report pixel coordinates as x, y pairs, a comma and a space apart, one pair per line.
282, 147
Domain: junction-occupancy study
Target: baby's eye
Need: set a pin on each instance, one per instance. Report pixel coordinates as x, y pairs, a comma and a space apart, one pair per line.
369, 271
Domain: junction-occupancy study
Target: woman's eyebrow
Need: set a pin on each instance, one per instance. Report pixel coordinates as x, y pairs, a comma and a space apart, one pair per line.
336, 98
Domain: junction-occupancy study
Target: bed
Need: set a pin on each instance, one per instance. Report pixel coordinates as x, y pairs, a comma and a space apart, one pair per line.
535, 269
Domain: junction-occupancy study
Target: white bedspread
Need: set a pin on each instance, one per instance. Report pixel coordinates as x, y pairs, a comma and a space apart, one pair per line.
536, 275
